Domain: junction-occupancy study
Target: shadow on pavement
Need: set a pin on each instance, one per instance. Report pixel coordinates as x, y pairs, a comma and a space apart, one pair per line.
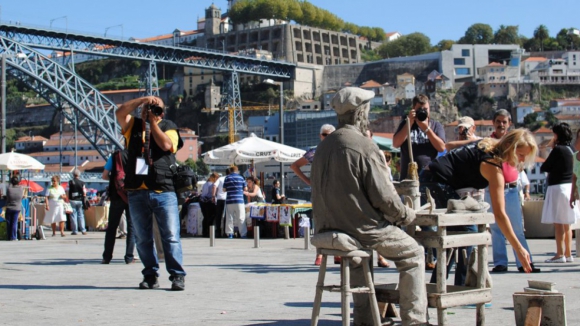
62, 287
63, 262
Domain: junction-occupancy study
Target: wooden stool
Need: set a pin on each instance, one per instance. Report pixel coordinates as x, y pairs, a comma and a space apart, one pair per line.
344, 288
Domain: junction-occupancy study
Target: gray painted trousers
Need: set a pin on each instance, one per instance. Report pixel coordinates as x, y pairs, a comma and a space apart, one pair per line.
409, 258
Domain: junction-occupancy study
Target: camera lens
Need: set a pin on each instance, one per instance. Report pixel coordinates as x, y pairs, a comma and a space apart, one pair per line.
421, 114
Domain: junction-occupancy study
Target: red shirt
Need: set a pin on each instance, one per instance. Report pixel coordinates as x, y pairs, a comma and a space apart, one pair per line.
510, 173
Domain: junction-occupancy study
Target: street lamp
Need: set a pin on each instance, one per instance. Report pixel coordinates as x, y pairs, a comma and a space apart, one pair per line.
108, 28
57, 18
271, 82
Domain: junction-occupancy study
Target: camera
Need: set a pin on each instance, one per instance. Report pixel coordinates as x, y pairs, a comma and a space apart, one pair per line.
155, 109
464, 131
421, 114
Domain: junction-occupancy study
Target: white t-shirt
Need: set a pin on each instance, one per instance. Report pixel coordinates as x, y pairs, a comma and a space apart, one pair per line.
55, 193
220, 193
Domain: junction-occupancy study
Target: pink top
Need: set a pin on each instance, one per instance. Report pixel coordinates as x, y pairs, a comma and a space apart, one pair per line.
510, 173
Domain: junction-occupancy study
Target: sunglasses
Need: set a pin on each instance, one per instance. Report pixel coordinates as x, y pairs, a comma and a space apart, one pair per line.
324, 134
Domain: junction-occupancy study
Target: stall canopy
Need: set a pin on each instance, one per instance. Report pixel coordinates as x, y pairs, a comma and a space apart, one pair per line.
385, 144
252, 149
33, 186
16, 161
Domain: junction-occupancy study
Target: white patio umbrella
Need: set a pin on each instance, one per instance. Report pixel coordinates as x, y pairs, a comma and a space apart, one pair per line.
16, 161
252, 150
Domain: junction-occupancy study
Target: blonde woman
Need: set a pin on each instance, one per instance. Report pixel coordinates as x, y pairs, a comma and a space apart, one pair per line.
55, 196
479, 164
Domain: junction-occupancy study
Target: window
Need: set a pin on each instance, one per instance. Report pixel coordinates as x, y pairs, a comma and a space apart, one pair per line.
462, 71
190, 148
465, 53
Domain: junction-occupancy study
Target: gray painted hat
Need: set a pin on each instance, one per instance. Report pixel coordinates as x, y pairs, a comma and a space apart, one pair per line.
350, 98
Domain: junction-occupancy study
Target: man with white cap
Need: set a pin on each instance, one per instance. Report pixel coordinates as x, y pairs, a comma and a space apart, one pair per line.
465, 133
352, 193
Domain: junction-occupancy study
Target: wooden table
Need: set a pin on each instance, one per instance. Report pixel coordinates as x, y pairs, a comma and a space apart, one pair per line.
441, 295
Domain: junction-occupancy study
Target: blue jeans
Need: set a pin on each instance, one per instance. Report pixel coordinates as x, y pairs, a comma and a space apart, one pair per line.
77, 222
143, 205
12, 224
116, 210
513, 209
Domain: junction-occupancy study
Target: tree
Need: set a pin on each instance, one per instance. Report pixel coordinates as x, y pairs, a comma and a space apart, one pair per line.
411, 44
507, 35
294, 11
201, 167
477, 34
541, 33
308, 13
443, 45
380, 34
370, 55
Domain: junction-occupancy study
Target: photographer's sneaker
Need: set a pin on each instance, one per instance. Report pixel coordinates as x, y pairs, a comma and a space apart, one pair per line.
149, 282
177, 282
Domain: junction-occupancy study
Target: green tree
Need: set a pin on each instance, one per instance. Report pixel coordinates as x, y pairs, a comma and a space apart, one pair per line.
477, 34
443, 45
406, 45
507, 35
308, 13
350, 28
201, 167
294, 11
541, 33
370, 55
380, 34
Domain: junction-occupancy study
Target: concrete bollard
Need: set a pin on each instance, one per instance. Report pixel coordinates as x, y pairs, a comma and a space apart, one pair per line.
212, 235
286, 232
306, 238
256, 236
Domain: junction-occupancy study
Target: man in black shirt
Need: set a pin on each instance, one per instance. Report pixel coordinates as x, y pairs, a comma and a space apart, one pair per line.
76, 196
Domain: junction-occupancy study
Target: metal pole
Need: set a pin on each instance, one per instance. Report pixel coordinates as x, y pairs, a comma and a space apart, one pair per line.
76, 137
282, 186
306, 237
3, 122
256, 236
212, 235
60, 140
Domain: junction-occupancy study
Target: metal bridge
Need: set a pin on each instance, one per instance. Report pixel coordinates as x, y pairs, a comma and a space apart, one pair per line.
83, 105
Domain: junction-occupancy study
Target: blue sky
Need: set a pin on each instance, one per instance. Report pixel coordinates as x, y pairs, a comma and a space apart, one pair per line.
443, 19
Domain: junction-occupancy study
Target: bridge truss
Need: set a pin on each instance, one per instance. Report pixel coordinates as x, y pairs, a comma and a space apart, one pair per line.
67, 92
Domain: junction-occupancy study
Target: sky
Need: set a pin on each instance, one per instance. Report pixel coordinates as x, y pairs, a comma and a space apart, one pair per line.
443, 19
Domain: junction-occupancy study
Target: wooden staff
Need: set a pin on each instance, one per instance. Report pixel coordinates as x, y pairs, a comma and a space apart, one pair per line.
412, 171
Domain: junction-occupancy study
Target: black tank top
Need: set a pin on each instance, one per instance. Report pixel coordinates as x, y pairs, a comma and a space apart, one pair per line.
460, 167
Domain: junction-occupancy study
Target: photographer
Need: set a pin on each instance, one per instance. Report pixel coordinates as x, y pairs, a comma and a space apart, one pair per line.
151, 146
427, 140
465, 133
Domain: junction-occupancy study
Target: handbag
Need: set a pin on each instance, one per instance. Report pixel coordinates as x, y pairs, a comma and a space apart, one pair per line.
86, 203
67, 208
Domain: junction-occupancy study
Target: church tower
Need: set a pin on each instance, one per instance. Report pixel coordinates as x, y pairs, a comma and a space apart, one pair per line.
213, 17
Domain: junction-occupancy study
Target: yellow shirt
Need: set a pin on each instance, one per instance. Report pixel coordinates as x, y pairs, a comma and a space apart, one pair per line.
172, 134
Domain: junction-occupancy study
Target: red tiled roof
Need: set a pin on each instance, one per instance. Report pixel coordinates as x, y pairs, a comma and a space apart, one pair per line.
477, 123
165, 36
65, 153
535, 59
27, 138
543, 129
495, 64
370, 84
568, 117
390, 34
570, 103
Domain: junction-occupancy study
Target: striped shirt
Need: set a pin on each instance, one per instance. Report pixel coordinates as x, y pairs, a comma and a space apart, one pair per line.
234, 185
